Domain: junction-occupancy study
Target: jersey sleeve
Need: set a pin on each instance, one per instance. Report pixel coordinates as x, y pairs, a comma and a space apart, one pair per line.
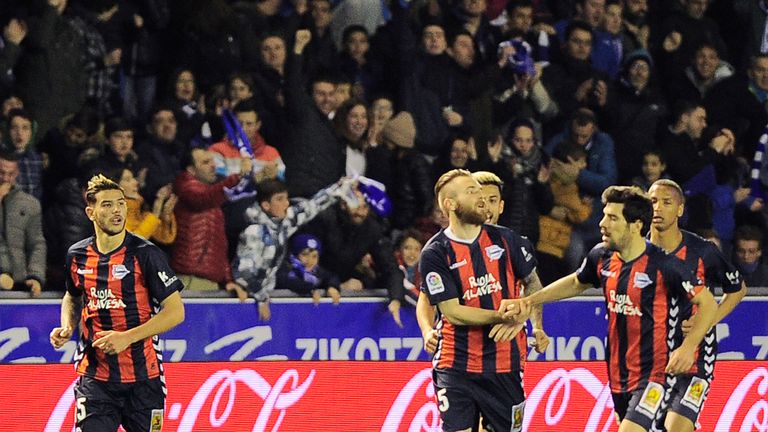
71, 272
720, 272
681, 281
588, 272
437, 284
160, 279
521, 254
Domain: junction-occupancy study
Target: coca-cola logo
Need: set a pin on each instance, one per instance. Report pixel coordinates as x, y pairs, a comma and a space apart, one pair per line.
756, 417
427, 417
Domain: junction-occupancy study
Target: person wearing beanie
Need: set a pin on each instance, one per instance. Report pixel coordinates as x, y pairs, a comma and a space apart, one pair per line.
302, 274
403, 170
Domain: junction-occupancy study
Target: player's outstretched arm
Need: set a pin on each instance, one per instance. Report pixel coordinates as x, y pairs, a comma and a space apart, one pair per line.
458, 314
682, 358
729, 302
171, 315
71, 307
565, 287
532, 285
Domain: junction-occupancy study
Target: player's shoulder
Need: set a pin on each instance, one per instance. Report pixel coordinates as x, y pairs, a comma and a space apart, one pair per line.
697, 244
507, 233
139, 245
601, 250
80, 248
438, 242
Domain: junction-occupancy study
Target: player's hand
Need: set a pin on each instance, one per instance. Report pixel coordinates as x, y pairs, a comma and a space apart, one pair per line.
505, 331
688, 325
111, 342
265, 313
60, 335
541, 340
681, 360
430, 341
394, 309
35, 288
515, 311
334, 294
316, 296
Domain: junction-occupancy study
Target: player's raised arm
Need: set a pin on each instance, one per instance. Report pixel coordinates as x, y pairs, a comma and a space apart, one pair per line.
458, 314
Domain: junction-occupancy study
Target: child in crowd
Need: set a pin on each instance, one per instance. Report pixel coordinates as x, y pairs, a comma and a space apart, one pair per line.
407, 254
570, 209
302, 274
654, 168
158, 224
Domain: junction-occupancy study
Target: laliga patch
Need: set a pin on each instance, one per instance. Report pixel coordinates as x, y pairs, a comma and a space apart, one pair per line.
517, 417
651, 399
695, 394
642, 280
119, 271
156, 421
434, 283
494, 252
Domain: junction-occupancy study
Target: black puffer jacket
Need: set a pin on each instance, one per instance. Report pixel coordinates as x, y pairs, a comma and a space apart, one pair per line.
65, 221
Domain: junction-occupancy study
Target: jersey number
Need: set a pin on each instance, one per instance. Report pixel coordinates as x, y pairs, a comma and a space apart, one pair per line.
80, 409
442, 399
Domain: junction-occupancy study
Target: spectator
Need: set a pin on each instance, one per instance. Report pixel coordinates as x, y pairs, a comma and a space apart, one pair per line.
635, 111
407, 250
160, 151
50, 72
66, 147
462, 155
469, 15
590, 12
119, 152
610, 41
302, 274
409, 185
357, 63
313, 155
270, 85
654, 168
200, 251
240, 88
636, 25
358, 251
273, 220
321, 52
22, 132
748, 256
351, 123
592, 181
22, 248
13, 34
187, 103
379, 112
267, 163
704, 72
569, 209
525, 172
520, 26
159, 224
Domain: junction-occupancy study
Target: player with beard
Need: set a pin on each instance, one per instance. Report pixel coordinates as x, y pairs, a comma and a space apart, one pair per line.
123, 293
689, 391
641, 285
471, 270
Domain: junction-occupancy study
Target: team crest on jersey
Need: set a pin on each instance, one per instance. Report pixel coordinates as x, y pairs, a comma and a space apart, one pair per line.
694, 395
434, 283
494, 252
651, 399
642, 280
517, 417
156, 422
119, 271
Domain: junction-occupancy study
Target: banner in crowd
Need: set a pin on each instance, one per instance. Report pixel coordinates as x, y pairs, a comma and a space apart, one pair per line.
356, 329
364, 396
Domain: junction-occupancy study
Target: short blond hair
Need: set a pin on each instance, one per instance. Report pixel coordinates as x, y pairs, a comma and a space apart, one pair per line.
486, 178
445, 179
99, 183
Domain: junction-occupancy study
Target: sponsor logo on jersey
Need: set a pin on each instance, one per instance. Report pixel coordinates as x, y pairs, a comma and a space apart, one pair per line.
608, 274
434, 283
481, 286
456, 265
167, 281
622, 304
104, 299
84, 271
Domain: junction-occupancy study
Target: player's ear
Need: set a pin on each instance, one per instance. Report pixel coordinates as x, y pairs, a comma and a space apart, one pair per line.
680, 210
89, 212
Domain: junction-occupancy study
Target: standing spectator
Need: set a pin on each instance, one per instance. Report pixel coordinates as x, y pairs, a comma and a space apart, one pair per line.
525, 173
321, 52
635, 111
636, 24
160, 151
351, 123
313, 155
610, 41
50, 73
200, 250
358, 63
186, 101
357, 250
22, 248
748, 256
22, 131
119, 152
264, 243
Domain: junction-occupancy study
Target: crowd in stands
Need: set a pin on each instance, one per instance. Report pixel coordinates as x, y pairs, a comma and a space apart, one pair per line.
559, 98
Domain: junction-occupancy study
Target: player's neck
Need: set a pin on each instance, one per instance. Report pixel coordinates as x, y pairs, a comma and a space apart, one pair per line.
634, 249
107, 243
668, 240
464, 231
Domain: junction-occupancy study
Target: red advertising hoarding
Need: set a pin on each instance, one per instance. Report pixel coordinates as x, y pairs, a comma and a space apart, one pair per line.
363, 396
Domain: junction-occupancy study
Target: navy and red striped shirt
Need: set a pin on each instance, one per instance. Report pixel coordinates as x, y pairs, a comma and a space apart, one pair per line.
704, 258
642, 297
479, 274
121, 290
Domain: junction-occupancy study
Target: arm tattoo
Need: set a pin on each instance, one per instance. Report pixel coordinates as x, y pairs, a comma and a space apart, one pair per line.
532, 284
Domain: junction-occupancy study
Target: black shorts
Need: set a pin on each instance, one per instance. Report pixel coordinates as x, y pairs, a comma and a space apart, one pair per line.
686, 397
103, 406
641, 406
500, 398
